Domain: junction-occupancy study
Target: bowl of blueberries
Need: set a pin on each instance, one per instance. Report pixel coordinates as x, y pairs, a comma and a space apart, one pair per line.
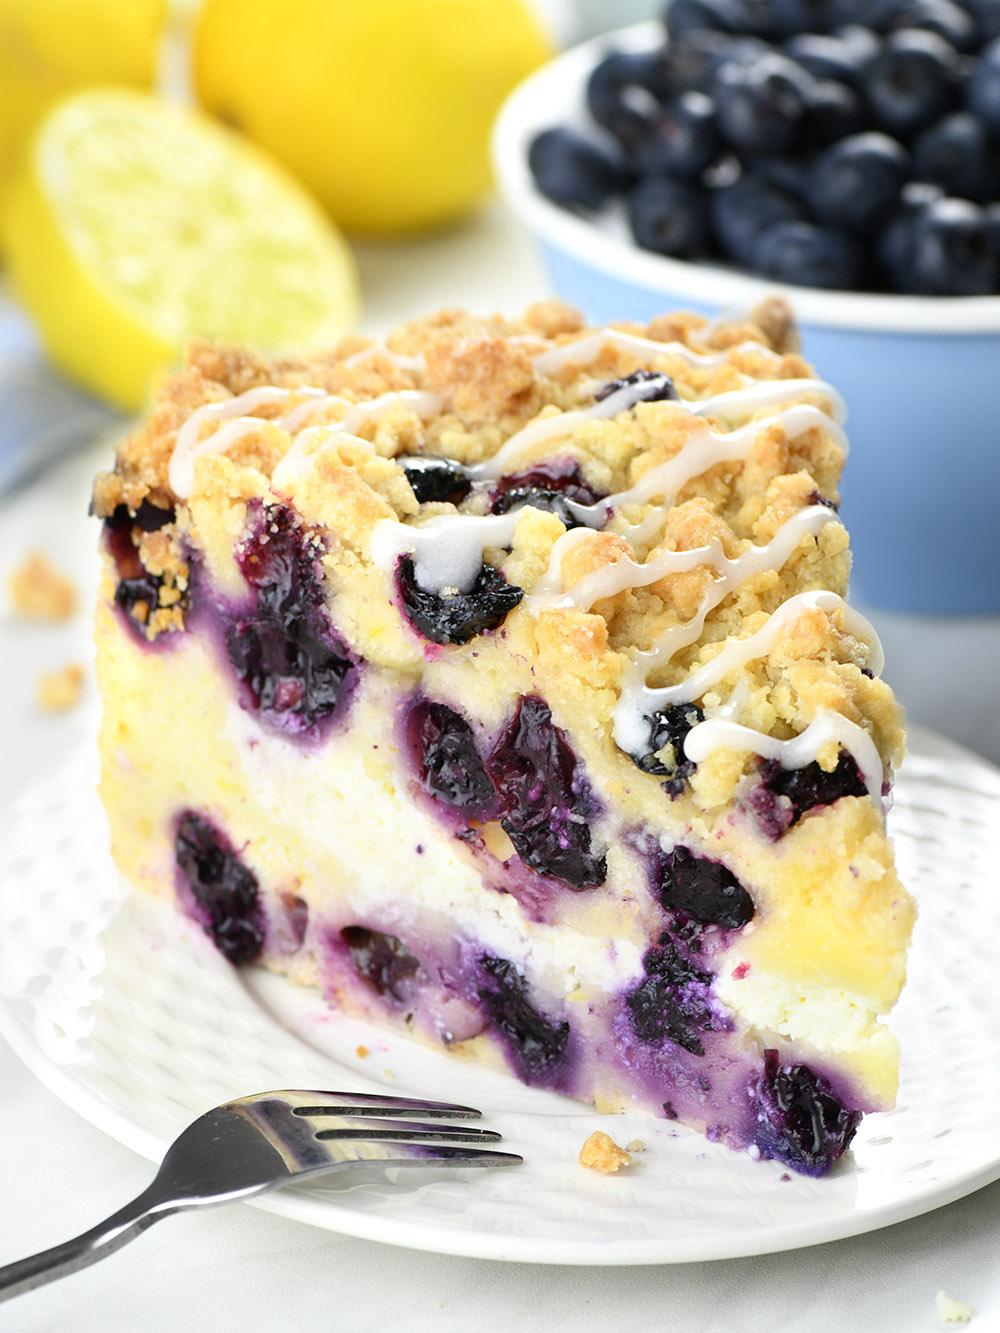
846, 152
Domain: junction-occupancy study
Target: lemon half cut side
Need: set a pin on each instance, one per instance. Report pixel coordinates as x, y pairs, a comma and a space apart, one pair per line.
134, 225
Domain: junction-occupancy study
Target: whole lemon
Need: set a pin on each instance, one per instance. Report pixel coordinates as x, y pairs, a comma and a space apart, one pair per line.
382, 107
49, 48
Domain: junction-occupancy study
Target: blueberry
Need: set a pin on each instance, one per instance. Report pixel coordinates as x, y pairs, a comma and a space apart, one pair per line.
668, 727
669, 217
538, 1045
292, 667
834, 111
800, 1120
812, 256
799, 16
953, 253
983, 89
704, 890
682, 139
991, 216
824, 57
672, 1002
384, 962
788, 175
812, 786
447, 759
943, 17
857, 182
575, 171
862, 43
693, 60
683, 17
545, 799
958, 154
874, 14
138, 598
743, 210
224, 890
649, 386
987, 16
624, 90
912, 81
550, 486
436, 479
760, 107
462, 616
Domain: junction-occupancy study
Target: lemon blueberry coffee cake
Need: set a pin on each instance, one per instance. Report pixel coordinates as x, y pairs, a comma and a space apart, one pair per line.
498, 680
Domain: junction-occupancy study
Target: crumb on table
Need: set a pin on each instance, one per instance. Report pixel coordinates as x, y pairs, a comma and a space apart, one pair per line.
57, 691
601, 1153
38, 591
950, 1312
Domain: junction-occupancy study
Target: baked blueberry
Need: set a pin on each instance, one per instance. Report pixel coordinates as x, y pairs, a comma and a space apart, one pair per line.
912, 82
648, 386
681, 139
545, 801
669, 217
812, 786
800, 1119
672, 1001
447, 759
462, 615
223, 889
575, 171
745, 209
538, 1045
801, 252
668, 727
704, 890
857, 182
553, 486
293, 668
384, 962
436, 479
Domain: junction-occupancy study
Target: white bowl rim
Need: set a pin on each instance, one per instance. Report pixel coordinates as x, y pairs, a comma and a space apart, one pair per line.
526, 110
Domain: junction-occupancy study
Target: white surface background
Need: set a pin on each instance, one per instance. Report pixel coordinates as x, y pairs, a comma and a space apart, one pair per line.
238, 1268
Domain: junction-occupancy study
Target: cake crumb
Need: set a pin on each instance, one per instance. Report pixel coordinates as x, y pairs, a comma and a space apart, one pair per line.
362, 1052
58, 691
601, 1153
38, 591
635, 1145
950, 1312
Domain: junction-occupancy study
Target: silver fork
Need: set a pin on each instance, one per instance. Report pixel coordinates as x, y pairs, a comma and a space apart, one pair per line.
257, 1143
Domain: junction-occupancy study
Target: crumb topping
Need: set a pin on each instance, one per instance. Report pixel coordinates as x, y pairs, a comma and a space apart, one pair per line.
600, 1153
39, 591
60, 690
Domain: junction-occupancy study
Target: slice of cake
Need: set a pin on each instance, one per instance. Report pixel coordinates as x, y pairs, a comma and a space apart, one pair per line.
498, 681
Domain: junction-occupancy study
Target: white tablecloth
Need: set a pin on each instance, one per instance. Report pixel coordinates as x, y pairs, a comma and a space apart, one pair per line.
238, 1268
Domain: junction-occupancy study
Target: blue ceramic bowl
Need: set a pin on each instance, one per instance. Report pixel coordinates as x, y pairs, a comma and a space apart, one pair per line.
921, 375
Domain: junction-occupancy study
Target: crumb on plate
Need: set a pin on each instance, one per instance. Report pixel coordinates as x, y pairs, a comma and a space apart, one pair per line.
635, 1145
38, 591
58, 691
950, 1312
362, 1052
601, 1153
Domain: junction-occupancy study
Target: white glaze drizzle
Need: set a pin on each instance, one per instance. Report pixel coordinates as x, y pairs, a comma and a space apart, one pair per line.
587, 349
764, 393
447, 550
719, 733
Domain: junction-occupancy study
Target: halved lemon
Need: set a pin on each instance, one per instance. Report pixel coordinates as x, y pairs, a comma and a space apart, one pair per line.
134, 224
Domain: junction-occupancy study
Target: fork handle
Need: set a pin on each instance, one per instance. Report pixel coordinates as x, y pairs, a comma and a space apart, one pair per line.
83, 1250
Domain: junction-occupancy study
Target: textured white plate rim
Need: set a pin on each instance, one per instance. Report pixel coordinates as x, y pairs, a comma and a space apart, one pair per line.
329, 1214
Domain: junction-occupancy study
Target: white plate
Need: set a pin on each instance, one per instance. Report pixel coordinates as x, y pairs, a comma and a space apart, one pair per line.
125, 1011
